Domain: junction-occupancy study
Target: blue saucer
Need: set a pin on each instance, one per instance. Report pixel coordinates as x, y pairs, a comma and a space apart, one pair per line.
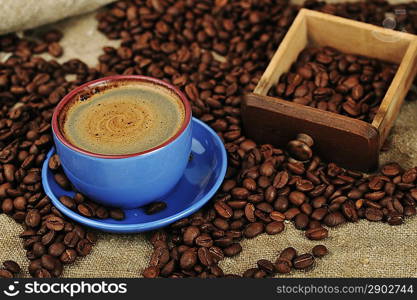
203, 176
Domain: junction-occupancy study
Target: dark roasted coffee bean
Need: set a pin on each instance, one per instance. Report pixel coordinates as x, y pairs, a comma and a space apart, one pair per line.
282, 267
5, 274
223, 209
67, 201
83, 247
12, 266
232, 250
217, 253
205, 256
303, 261
48, 262
55, 223
68, 256
297, 198
373, 214
319, 251
253, 229
299, 150
62, 181
249, 273
117, 214
188, 259
33, 218
266, 266
190, 234
334, 219
259, 274
288, 253
56, 249
151, 272
301, 221
274, 227
204, 240
155, 207
54, 162
318, 233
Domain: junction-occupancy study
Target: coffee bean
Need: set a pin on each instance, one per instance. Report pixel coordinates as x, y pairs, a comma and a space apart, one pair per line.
34, 265
188, 259
155, 207
253, 229
33, 218
12, 266
68, 256
117, 214
232, 250
391, 170
282, 267
169, 268
277, 216
205, 257
54, 162
373, 214
297, 198
303, 261
259, 274
55, 223
288, 254
274, 228
83, 247
319, 251
48, 262
204, 240
281, 179
299, 150
223, 209
67, 201
190, 234
318, 233
301, 221
62, 181
102, 213
56, 249
250, 212
239, 193
151, 272
266, 266
5, 274
55, 49
38, 249
334, 219
249, 273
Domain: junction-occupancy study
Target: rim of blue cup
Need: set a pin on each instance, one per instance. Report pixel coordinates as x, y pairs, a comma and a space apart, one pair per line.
113, 79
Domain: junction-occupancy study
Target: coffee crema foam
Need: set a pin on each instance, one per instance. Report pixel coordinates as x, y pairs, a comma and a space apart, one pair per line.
126, 119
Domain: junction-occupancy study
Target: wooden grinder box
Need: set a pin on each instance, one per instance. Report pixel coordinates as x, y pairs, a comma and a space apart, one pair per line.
350, 142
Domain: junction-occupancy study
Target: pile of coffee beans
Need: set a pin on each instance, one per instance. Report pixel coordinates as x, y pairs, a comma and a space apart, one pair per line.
271, 188
11, 269
287, 260
214, 51
346, 84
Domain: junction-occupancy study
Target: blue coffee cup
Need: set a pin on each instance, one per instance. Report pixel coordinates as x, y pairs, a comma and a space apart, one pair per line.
125, 181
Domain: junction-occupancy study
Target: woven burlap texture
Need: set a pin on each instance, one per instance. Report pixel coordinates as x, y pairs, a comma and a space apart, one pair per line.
363, 249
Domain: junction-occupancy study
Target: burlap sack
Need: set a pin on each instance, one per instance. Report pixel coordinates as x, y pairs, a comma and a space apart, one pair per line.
363, 249
17, 15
